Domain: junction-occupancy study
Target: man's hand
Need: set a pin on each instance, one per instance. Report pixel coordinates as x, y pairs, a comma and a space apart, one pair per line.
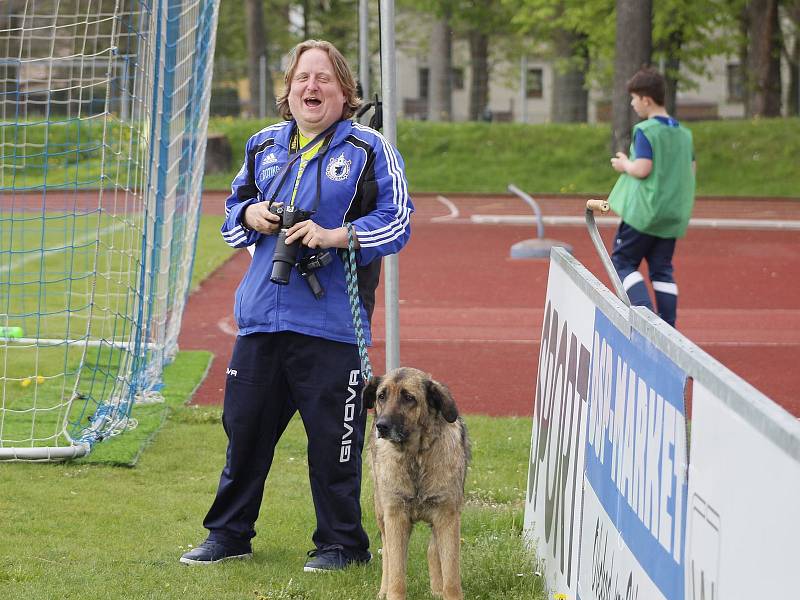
258, 218
312, 235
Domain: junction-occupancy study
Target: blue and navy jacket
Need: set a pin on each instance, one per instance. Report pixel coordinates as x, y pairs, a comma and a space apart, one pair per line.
357, 176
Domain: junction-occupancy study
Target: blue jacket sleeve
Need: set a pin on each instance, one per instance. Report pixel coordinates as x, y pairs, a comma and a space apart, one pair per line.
387, 228
243, 193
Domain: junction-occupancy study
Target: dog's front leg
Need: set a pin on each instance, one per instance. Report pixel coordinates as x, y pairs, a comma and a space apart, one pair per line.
384, 560
395, 550
447, 531
434, 566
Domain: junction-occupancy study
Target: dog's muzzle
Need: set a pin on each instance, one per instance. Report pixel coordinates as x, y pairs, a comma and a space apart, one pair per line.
391, 429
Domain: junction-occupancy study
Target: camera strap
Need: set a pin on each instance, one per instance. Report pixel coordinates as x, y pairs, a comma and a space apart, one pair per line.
296, 153
351, 276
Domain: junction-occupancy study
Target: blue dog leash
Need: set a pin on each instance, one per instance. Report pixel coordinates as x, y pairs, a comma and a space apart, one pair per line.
351, 275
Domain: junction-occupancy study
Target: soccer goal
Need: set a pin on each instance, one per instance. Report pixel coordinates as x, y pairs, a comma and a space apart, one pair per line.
103, 118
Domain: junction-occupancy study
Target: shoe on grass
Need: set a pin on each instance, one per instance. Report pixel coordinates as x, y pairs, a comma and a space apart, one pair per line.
210, 552
333, 558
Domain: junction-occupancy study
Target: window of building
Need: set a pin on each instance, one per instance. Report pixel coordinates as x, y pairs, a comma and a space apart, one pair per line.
422, 75
534, 83
735, 83
458, 78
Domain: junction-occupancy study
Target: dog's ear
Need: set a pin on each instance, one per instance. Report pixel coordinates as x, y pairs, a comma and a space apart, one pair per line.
439, 398
368, 393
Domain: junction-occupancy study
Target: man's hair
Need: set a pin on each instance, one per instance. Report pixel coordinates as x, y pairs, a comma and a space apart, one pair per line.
341, 70
648, 82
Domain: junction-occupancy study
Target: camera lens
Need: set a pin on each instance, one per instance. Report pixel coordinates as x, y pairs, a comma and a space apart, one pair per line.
283, 259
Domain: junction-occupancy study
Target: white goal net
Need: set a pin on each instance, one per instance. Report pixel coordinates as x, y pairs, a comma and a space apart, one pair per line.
103, 118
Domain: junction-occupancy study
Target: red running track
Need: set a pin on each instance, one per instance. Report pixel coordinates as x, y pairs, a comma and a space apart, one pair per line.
472, 316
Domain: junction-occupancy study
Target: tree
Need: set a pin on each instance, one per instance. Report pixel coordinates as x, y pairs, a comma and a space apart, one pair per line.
762, 60
440, 71
480, 21
473, 20
633, 50
566, 26
335, 21
257, 55
233, 58
570, 98
439, 51
793, 57
685, 34
671, 45
479, 74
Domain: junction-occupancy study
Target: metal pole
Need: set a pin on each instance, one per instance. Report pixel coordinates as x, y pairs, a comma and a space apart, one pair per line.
591, 225
388, 91
262, 86
363, 47
534, 205
523, 89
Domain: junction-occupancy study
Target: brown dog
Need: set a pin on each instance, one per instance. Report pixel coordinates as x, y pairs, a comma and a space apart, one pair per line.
420, 451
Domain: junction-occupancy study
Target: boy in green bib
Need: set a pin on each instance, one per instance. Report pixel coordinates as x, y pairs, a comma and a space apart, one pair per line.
654, 196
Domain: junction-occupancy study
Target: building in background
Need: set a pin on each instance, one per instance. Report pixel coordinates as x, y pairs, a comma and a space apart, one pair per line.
522, 92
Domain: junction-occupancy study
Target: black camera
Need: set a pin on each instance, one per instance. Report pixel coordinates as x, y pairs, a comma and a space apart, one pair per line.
285, 257
309, 264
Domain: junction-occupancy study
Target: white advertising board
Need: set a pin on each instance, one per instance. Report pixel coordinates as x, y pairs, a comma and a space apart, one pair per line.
555, 474
635, 488
611, 509
744, 509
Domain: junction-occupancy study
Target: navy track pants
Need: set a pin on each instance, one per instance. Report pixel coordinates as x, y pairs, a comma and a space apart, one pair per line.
270, 376
630, 248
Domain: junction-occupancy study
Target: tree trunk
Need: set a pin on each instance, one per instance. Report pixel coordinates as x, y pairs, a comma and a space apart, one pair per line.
256, 49
793, 13
306, 19
672, 66
570, 98
744, 27
440, 69
763, 65
479, 75
633, 49
794, 80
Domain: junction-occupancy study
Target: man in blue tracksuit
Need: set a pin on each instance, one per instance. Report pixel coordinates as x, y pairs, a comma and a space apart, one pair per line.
296, 349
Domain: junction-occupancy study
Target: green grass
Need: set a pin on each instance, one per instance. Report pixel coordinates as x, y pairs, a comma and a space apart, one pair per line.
87, 153
734, 157
211, 250
76, 530
181, 378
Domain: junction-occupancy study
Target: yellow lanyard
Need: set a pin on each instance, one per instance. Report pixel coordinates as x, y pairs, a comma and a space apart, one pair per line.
306, 156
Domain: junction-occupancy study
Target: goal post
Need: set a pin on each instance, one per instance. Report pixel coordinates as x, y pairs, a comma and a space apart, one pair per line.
103, 121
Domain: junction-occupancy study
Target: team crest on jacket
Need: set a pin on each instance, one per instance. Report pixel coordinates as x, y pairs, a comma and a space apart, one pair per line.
338, 168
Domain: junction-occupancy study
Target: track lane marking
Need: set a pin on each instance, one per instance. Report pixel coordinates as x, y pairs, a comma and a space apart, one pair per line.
453, 214
699, 223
